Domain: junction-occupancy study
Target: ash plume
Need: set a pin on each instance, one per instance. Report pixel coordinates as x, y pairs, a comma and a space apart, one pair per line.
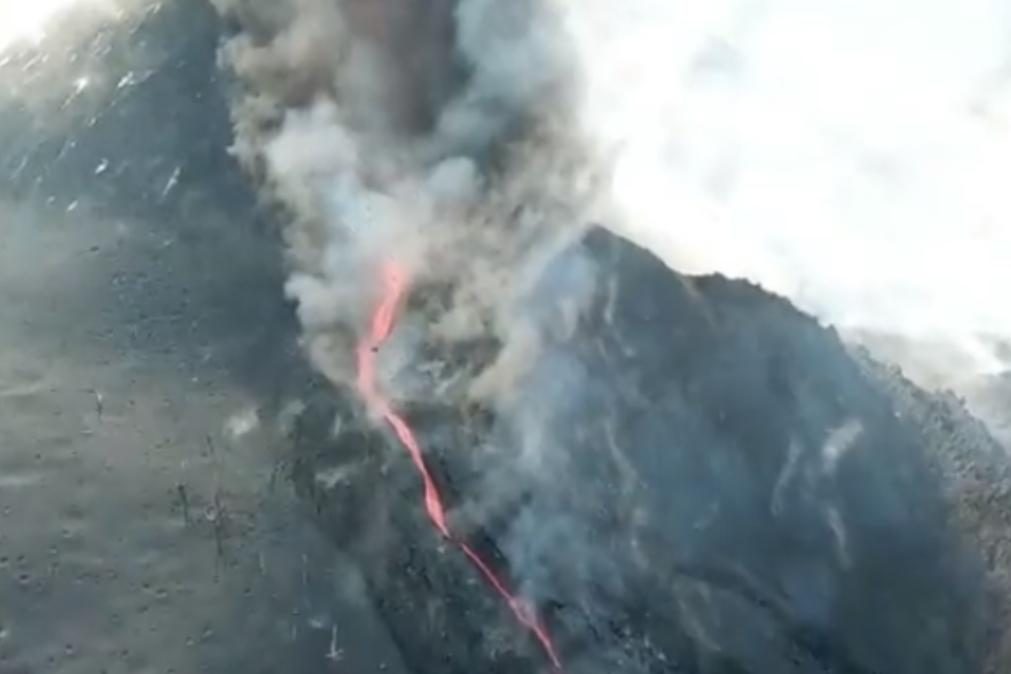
440, 136
435, 133
668, 111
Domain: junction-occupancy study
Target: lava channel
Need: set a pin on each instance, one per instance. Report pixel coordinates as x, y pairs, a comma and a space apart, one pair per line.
394, 287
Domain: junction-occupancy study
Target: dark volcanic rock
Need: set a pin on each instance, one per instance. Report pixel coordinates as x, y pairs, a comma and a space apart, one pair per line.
976, 480
725, 489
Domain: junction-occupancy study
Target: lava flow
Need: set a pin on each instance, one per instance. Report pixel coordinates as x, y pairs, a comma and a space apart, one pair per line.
395, 285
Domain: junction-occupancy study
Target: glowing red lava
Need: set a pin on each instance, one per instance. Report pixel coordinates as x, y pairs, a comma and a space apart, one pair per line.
395, 285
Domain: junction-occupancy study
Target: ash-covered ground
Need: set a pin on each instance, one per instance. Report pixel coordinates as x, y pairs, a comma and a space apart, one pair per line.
732, 489
146, 523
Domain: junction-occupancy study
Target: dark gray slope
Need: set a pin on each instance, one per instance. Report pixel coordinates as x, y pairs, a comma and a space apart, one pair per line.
168, 303
976, 480
729, 491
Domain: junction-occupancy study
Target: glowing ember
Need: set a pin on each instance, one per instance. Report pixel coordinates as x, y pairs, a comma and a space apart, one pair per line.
395, 284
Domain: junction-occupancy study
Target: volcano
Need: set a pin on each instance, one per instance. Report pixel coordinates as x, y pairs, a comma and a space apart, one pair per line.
732, 490
715, 482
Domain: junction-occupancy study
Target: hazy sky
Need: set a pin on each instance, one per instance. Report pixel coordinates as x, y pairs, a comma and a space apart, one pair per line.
850, 154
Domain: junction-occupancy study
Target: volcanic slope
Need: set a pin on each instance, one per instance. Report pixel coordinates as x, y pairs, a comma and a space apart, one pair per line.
727, 490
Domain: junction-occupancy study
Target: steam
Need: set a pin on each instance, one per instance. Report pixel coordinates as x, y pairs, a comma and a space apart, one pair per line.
458, 171
847, 155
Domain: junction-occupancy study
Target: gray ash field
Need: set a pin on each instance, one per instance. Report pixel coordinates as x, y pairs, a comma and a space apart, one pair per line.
137, 534
732, 490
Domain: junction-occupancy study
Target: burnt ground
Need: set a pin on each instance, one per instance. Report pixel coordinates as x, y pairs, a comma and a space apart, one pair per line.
732, 489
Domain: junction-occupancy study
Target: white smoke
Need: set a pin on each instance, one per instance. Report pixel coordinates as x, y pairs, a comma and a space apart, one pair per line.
849, 155
830, 153
380, 160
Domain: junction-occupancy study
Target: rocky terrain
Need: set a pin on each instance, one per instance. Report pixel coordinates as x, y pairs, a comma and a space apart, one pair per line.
729, 489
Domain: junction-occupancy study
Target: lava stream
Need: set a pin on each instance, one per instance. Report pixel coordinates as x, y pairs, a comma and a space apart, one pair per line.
394, 281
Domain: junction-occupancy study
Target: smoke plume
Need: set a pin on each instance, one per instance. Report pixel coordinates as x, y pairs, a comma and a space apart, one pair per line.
459, 137
444, 138
859, 179
437, 134
469, 141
